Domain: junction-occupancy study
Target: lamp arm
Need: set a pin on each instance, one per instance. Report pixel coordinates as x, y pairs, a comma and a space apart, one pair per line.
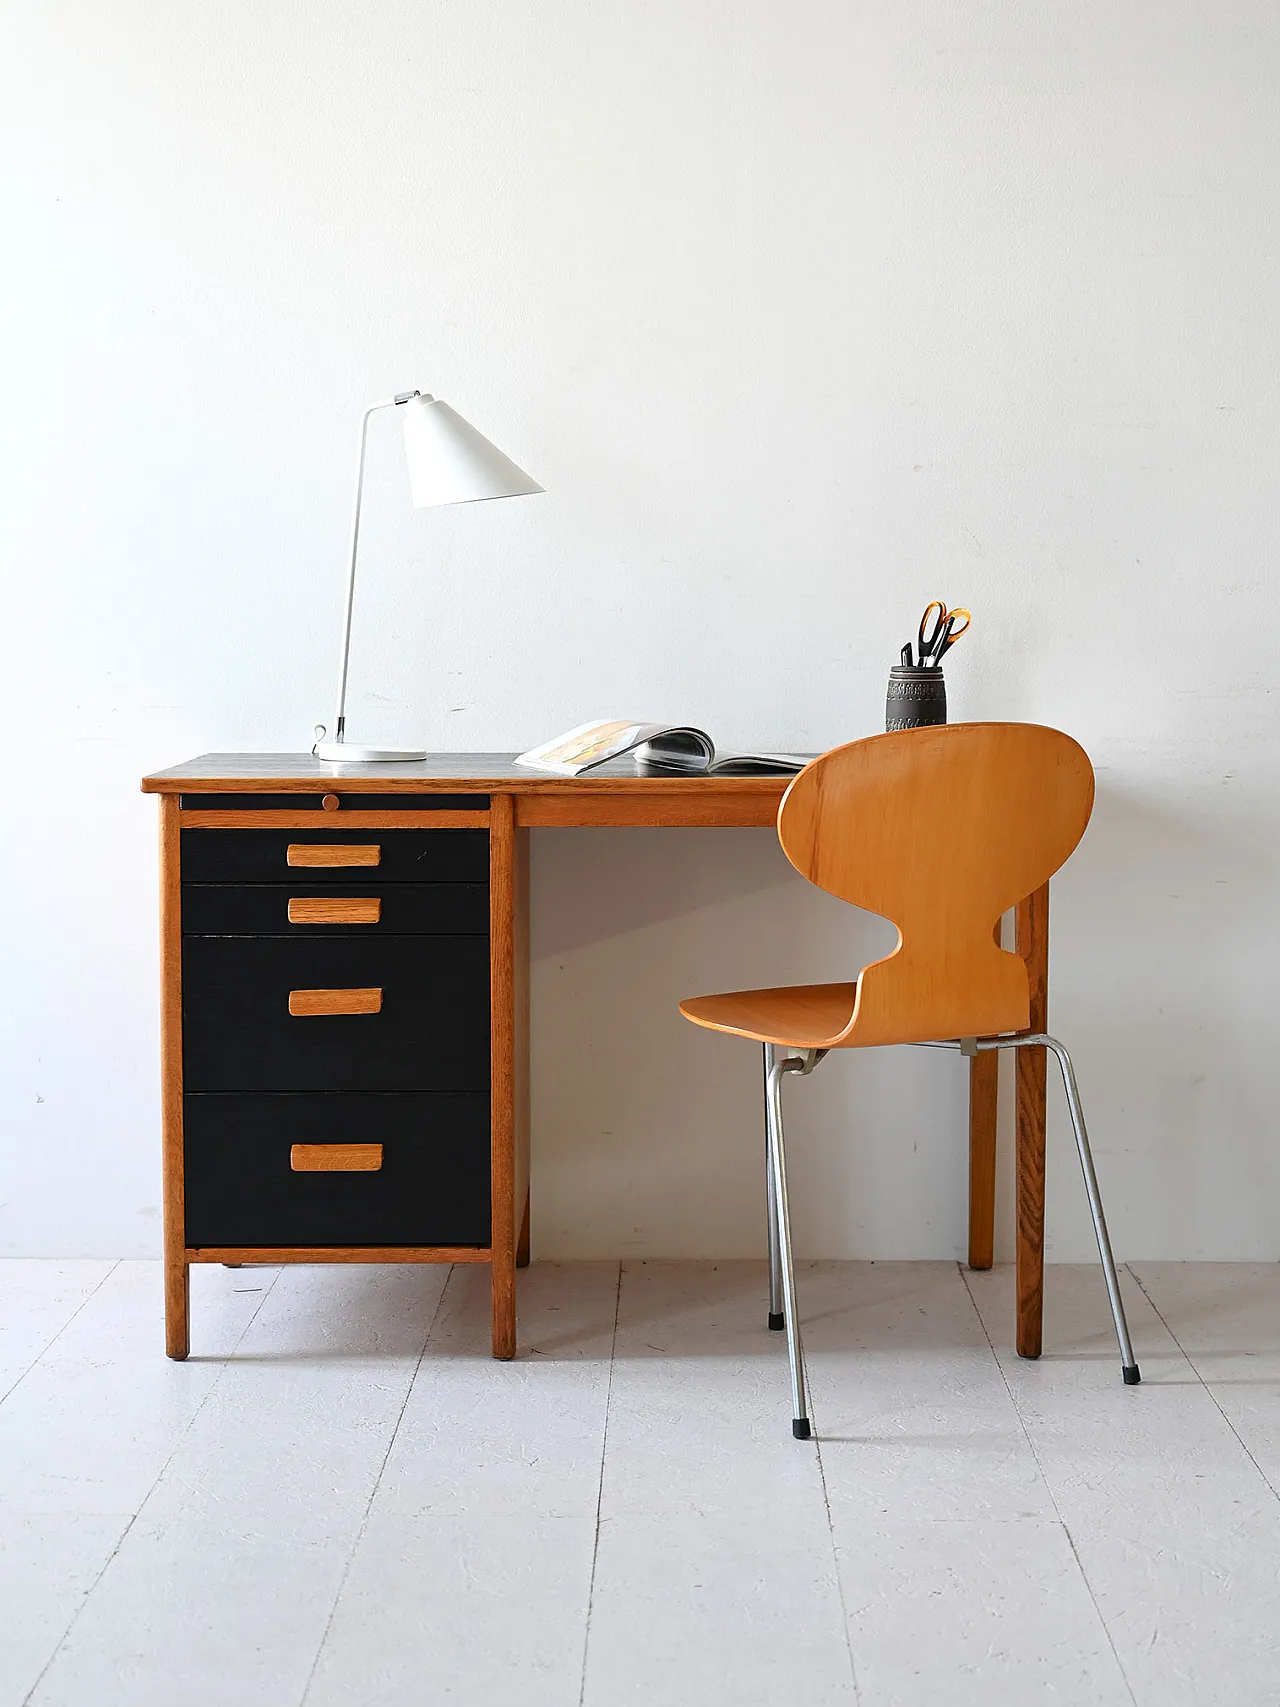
341, 717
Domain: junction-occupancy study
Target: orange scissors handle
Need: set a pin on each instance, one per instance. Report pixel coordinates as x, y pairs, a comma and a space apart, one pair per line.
956, 624
931, 627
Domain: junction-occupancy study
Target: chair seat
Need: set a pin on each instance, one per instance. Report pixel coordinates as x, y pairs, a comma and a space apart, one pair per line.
806, 1016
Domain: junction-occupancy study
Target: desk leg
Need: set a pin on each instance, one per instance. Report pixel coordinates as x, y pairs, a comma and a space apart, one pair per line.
984, 1084
509, 1095
177, 1288
1033, 946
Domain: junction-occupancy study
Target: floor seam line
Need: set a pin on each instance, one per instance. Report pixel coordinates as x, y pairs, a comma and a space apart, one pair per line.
1267, 1482
62, 1330
373, 1492
604, 1445
835, 1558
142, 1504
1048, 1487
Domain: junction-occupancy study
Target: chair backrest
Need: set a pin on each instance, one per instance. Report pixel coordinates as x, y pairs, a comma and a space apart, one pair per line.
940, 830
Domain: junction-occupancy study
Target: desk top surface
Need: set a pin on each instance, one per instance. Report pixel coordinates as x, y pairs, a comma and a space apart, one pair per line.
492, 773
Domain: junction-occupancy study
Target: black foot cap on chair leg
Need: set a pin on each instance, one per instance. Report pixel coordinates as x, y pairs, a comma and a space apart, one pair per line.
800, 1427
777, 1321
1131, 1375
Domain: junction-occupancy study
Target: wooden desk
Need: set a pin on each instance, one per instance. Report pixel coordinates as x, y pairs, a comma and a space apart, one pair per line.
483, 791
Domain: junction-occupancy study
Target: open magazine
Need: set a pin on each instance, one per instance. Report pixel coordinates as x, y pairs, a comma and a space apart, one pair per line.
657, 747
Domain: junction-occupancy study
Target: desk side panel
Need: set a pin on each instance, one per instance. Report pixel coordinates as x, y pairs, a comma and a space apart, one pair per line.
176, 1276
522, 1069
506, 1080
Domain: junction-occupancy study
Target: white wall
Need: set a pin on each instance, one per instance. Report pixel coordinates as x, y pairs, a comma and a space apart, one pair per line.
804, 314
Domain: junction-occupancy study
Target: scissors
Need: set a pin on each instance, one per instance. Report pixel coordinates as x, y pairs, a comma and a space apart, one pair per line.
939, 630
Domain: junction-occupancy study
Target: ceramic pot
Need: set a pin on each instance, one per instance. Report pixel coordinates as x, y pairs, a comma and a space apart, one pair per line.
916, 698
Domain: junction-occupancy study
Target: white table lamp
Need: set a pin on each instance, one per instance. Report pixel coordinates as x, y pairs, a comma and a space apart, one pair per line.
449, 463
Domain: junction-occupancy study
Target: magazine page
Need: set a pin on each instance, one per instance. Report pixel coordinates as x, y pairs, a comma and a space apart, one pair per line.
677, 748
586, 745
757, 764
671, 748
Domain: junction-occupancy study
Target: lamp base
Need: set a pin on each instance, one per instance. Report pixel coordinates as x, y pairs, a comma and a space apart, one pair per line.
347, 753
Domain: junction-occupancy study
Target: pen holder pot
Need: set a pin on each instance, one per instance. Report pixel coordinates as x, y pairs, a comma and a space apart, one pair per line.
916, 697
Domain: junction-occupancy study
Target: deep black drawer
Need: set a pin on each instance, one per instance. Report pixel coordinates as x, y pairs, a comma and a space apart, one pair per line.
430, 1034
431, 1189
371, 908
402, 856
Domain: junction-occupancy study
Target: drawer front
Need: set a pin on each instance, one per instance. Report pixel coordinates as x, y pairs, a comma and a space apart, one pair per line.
243, 1188
370, 908
427, 1030
345, 857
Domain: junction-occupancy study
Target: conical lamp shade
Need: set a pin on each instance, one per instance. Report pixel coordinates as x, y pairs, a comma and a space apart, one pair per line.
451, 463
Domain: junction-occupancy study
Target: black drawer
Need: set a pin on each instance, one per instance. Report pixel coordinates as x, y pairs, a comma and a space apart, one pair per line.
402, 856
432, 1187
263, 909
430, 1034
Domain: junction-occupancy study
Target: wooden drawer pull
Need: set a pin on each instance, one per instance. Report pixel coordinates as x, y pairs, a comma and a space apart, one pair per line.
335, 1158
323, 853
334, 910
304, 1003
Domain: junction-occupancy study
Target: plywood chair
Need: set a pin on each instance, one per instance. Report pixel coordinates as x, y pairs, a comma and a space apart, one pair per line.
941, 831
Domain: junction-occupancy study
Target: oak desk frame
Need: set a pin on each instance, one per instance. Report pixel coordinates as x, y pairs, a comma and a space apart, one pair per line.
519, 801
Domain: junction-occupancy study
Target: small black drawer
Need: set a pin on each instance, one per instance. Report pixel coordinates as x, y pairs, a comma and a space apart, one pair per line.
431, 1189
299, 909
392, 856
430, 1031
348, 802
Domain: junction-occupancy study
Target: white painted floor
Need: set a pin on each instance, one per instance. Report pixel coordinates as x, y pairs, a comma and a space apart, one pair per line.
341, 1500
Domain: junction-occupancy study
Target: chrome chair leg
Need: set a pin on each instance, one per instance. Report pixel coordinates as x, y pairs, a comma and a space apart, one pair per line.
795, 1352
777, 1320
1132, 1375
1128, 1362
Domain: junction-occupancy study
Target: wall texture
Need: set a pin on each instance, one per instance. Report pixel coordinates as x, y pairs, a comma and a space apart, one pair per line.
804, 314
